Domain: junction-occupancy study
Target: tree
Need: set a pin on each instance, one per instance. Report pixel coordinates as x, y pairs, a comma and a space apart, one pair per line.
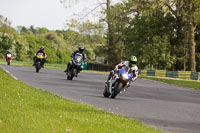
6, 42
109, 35
189, 11
4, 24
20, 51
157, 54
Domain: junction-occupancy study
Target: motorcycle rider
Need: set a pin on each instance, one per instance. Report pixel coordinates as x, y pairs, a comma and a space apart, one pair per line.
41, 50
130, 63
8, 52
80, 50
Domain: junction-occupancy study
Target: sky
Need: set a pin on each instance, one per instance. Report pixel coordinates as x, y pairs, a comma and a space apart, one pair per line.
50, 14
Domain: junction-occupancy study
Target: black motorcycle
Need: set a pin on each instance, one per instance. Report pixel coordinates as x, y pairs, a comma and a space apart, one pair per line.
75, 66
39, 62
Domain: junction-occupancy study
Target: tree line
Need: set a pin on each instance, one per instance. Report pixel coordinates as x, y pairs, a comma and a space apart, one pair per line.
23, 42
163, 34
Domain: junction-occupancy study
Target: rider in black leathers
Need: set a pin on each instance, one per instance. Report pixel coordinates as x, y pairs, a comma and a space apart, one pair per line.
80, 50
41, 50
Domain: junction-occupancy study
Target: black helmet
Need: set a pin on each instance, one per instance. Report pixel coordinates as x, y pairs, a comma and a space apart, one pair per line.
41, 48
81, 49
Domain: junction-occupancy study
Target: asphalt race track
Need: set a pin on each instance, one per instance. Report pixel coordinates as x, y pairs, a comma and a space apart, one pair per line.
167, 107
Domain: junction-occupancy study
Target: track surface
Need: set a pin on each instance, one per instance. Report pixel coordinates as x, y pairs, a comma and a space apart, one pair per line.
169, 108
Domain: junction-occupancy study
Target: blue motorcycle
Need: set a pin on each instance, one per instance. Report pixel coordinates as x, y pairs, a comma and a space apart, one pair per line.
118, 82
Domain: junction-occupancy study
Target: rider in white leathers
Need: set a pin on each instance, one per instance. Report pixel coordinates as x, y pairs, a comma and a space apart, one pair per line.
131, 63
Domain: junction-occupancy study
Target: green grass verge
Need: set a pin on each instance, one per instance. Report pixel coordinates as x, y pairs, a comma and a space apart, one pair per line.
186, 83
24, 109
29, 64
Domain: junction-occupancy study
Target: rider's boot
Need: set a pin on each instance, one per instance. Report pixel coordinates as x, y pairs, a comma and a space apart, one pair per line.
128, 84
66, 70
68, 65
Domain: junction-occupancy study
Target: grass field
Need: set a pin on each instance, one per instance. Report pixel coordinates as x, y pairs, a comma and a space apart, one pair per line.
24, 109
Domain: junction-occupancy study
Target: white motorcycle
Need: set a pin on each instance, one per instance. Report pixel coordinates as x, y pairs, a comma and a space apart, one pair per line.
118, 82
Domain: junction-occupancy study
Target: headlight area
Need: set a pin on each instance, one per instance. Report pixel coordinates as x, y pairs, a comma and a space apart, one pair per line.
125, 76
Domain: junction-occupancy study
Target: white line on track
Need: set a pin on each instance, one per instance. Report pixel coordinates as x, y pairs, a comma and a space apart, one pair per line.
8, 72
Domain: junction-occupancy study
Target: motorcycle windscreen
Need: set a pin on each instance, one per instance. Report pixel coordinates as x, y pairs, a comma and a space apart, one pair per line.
122, 71
78, 59
40, 55
125, 70
9, 55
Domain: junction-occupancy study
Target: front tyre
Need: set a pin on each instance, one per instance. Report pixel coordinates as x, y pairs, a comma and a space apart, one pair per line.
37, 70
105, 92
116, 89
70, 74
8, 62
37, 67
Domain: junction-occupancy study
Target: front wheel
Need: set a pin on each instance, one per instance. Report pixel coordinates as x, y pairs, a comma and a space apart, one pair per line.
116, 89
37, 67
106, 93
8, 61
70, 74
37, 70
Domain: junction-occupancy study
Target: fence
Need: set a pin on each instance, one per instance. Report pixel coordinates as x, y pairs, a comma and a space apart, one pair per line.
171, 74
97, 67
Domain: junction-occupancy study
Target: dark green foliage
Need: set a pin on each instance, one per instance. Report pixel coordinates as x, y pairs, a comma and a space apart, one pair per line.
35, 42
20, 51
154, 31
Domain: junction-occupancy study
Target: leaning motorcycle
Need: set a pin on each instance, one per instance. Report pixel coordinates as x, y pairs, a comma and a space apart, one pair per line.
39, 61
75, 66
118, 82
8, 58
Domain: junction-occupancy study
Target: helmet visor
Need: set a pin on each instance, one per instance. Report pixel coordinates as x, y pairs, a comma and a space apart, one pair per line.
133, 62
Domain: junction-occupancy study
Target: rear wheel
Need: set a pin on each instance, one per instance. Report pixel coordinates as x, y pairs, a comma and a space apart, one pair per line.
116, 89
8, 62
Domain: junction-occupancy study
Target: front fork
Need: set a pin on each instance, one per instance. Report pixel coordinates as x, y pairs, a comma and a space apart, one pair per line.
111, 82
